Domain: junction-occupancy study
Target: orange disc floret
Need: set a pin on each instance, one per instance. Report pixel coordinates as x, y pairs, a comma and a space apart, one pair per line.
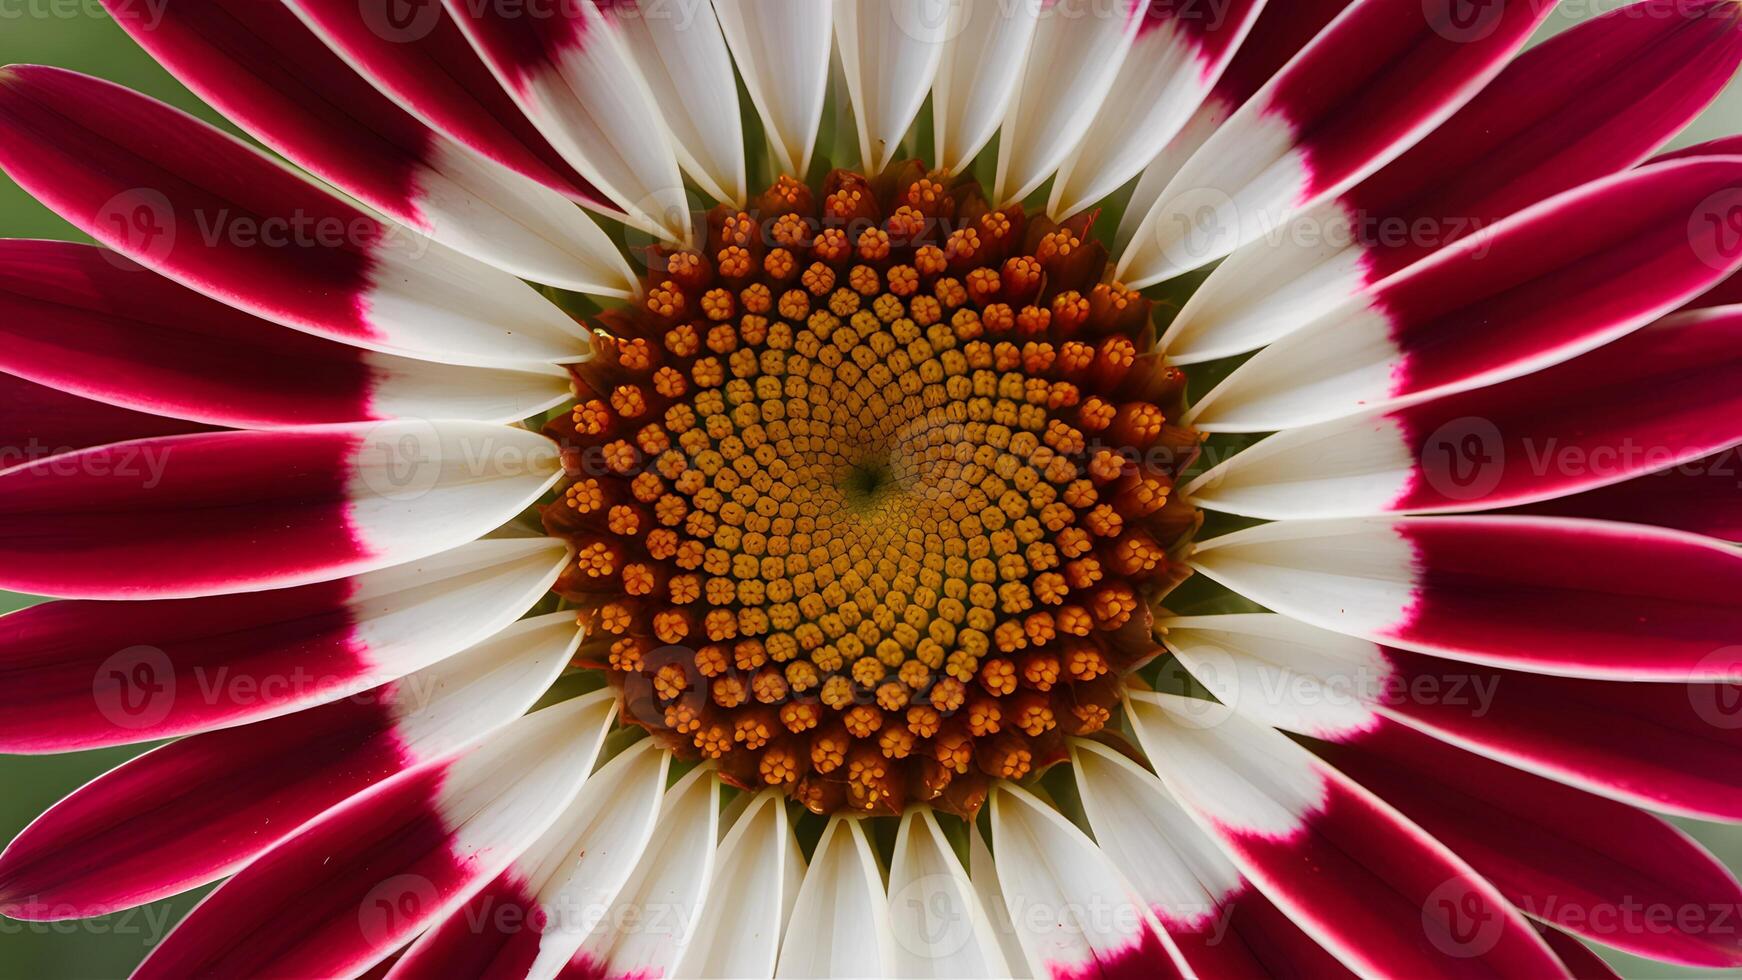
865, 499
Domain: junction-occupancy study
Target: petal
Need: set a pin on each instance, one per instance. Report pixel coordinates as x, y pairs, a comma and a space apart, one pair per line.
575, 79
983, 876
686, 64
91, 322
1377, 80
1669, 747
263, 69
1547, 284
939, 927
976, 80
198, 809
840, 923
889, 54
532, 918
1180, 52
1580, 960
1074, 913
210, 212
1601, 869
1382, 895
1557, 596
756, 882
782, 48
84, 674
41, 422
242, 511
649, 926
1545, 435
1282, 30
416, 54
1703, 496
1588, 102
1222, 926
1078, 48
393, 860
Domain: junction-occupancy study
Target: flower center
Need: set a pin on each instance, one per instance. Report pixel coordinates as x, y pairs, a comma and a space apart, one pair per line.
871, 503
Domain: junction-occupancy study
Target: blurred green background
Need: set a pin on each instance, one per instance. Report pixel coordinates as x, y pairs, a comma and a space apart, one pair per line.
77, 34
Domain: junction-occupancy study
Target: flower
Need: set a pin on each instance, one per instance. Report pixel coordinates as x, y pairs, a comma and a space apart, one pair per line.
822, 562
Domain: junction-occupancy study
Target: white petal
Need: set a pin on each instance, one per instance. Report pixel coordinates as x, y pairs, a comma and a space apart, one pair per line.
840, 923
1361, 465
982, 65
683, 57
782, 48
756, 882
889, 53
939, 926
653, 921
1077, 51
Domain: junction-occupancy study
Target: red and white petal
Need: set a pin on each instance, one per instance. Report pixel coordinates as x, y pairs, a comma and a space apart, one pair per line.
757, 875
1549, 283
1663, 746
1557, 596
1601, 869
574, 77
939, 927
1587, 103
685, 63
1703, 496
648, 928
983, 876
242, 511
1280, 33
1545, 435
1180, 52
214, 214
91, 322
86, 674
393, 860
977, 77
889, 55
1377, 80
532, 918
840, 924
42, 422
1222, 926
263, 69
1074, 913
1077, 50
198, 809
1357, 876
416, 54
782, 48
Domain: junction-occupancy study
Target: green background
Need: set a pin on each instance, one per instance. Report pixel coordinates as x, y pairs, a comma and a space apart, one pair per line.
76, 34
